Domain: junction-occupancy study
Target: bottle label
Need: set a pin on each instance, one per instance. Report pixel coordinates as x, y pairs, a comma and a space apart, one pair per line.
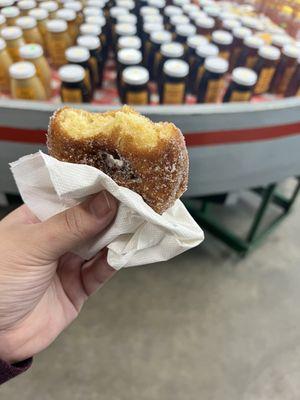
200, 73
237, 95
264, 80
224, 54
137, 97
214, 88
94, 68
251, 61
287, 76
71, 95
27, 93
173, 93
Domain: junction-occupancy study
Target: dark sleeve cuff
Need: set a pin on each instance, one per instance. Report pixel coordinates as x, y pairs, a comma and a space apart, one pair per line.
8, 371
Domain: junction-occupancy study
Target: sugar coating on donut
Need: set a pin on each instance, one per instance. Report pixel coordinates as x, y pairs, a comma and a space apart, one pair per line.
149, 158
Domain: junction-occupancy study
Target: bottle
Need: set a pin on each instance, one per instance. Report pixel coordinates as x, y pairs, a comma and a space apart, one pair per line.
205, 26
249, 54
156, 40
167, 52
126, 58
173, 87
100, 21
51, 7
183, 32
58, 41
281, 40
124, 30
286, 69
212, 81
30, 30
90, 30
241, 85
41, 17
14, 39
148, 29
159, 4
223, 40
177, 20
91, 11
114, 12
24, 82
268, 57
202, 53
2, 22
5, 63
239, 35
193, 42
34, 53
25, 6
77, 7
70, 17
230, 24
127, 19
293, 88
169, 12
135, 86
80, 56
92, 43
129, 42
127, 4
73, 89
11, 14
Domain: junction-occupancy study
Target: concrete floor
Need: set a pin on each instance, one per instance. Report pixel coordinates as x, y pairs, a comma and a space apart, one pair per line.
206, 325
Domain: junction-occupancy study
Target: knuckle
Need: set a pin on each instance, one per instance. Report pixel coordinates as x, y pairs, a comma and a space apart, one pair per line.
75, 223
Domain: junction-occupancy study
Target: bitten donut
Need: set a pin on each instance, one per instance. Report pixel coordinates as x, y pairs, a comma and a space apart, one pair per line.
146, 157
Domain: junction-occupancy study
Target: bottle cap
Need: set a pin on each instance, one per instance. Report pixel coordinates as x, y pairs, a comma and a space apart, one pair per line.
26, 22
71, 73
127, 19
26, 4
95, 3
252, 23
22, 70
129, 42
116, 11
269, 52
135, 75
180, 3
11, 33
91, 11
241, 33
129, 56
6, 3
254, 42
196, 41
38, 14
74, 5
90, 29
207, 50
222, 37
146, 10
176, 68
212, 11
281, 40
179, 20
216, 65
96, 20
149, 28
161, 37
50, 6
56, 25
157, 3
244, 76
2, 19
197, 15
153, 19
189, 8
231, 24
89, 42
185, 30
2, 44
206, 22
31, 51
77, 54
172, 50
66, 14
291, 51
172, 10
128, 4
10, 12
125, 29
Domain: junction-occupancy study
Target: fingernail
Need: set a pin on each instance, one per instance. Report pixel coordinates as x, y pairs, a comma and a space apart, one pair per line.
101, 204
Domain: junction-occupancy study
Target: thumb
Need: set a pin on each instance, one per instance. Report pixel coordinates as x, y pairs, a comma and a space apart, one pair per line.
69, 229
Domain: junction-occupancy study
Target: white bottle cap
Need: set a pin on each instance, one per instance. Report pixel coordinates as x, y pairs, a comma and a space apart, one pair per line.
89, 42
189, 8
149, 28
11, 33
90, 29
291, 51
153, 19
212, 11
26, 22
281, 40
10, 12
26, 4
2, 19
242, 33
206, 22
127, 19
172, 10
157, 3
216, 65
176, 68
161, 37
91, 11
146, 10
95, 3
71, 73
22, 70
207, 50
135, 76
2, 44
129, 42
96, 20
231, 24
222, 37
6, 3
31, 51
128, 4
125, 29
66, 14
74, 5
252, 23
56, 25
179, 20
197, 15
115, 11
172, 50
50, 6
129, 56
254, 42
269, 53
185, 30
38, 14
244, 76
77, 54
196, 41
180, 3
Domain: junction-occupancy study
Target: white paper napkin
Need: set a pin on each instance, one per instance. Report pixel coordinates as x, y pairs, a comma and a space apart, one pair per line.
138, 235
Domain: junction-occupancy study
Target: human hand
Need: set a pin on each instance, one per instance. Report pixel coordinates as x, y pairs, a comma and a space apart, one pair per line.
42, 284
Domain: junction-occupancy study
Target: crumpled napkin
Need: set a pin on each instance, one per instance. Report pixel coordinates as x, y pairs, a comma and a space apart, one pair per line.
138, 235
